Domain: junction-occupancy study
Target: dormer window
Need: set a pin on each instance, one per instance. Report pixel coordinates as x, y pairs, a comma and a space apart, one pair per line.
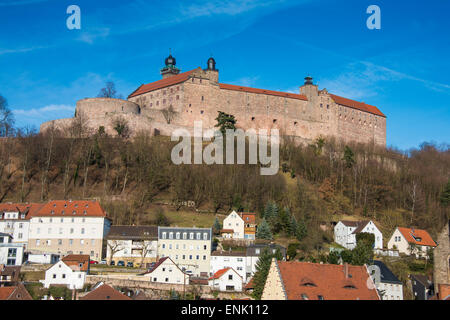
349, 286
74, 212
62, 212
65, 205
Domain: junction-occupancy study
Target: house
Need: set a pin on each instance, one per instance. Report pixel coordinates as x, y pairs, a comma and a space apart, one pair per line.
18, 292
15, 219
137, 244
166, 271
102, 291
295, 280
226, 280
11, 254
240, 225
345, 233
411, 241
189, 248
441, 258
388, 285
69, 227
422, 287
43, 258
255, 250
9, 274
70, 271
230, 259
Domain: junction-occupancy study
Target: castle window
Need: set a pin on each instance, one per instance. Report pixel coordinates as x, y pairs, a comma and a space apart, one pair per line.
151, 104
201, 111
203, 98
295, 123
328, 106
192, 80
274, 120
200, 80
321, 105
253, 118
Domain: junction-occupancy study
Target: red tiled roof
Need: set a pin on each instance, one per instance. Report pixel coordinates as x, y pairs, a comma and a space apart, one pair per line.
6, 292
226, 231
74, 260
248, 217
425, 240
105, 292
249, 285
305, 280
160, 261
219, 273
28, 208
444, 291
170, 81
263, 91
75, 208
356, 105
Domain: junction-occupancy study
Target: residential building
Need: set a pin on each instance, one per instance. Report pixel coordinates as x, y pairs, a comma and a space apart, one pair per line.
314, 281
240, 225
388, 285
412, 241
70, 271
237, 260
345, 233
15, 220
166, 271
102, 291
18, 292
226, 280
189, 248
69, 227
255, 250
422, 287
441, 258
9, 275
43, 258
137, 244
11, 254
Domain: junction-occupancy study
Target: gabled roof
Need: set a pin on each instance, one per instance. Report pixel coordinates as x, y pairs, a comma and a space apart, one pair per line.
263, 91
327, 281
170, 81
386, 274
221, 272
348, 223
248, 217
18, 292
105, 292
133, 232
69, 208
414, 235
229, 253
29, 209
75, 260
6, 292
160, 261
356, 105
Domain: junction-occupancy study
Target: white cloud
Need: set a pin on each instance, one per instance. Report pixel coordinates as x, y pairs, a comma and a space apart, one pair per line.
93, 34
246, 81
36, 116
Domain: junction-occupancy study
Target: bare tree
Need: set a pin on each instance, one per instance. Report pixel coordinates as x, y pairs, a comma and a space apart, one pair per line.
169, 114
109, 91
6, 118
114, 246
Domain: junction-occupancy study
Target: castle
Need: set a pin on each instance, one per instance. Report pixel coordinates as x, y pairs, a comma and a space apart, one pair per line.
179, 99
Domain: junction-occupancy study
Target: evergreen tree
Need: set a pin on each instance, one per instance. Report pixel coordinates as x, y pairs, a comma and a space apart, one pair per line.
301, 231
262, 270
292, 226
445, 196
225, 121
349, 157
217, 226
264, 231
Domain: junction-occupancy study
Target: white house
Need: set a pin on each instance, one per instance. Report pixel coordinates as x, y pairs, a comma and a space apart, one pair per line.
235, 260
345, 233
11, 254
15, 220
70, 271
387, 284
137, 244
166, 271
43, 258
226, 280
234, 222
411, 241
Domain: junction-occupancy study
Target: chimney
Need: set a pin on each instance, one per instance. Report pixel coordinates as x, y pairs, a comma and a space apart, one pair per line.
346, 270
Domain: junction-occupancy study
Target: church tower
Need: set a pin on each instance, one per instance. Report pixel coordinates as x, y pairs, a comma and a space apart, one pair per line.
170, 69
211, 71
309, 89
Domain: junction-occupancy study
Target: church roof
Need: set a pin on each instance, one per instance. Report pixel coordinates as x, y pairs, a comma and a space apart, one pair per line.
356, 105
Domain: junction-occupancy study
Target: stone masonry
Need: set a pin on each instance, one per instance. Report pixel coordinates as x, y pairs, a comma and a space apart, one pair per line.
179, 99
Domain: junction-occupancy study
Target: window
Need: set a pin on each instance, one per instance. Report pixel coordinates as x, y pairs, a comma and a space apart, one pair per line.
59, 241
71, 230
184, 235
170, 235
177, 236
199, 236
191, 236
164, 235
82, 230
38, 242
54, 276
205, 236
64, 276
230, 277
70, 241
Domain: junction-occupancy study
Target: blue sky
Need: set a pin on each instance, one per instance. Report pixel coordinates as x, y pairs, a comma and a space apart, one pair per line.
403, 68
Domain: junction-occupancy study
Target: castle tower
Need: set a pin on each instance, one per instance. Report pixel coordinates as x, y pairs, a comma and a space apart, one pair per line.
170, 69
211, 71
309, 89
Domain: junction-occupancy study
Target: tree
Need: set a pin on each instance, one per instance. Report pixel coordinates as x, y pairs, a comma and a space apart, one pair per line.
445, 195
109, 91
292, 250
114, 246
161, 219
217, 226
301, 231
263, 231
121, 127
349, 157
262, 270
6, 118
225, 121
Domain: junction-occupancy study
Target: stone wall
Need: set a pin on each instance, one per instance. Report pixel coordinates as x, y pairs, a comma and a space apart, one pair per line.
442, 258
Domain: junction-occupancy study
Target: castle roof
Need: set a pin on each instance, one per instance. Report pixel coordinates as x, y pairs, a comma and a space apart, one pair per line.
263, 91
170, 81
356, 105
